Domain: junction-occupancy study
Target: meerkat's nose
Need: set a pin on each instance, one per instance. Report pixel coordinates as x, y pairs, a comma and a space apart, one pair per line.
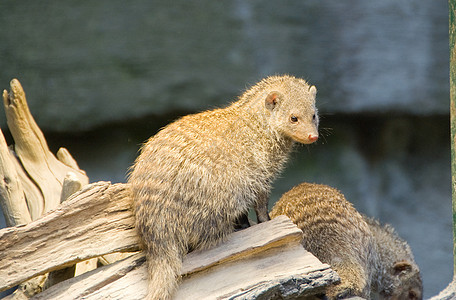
313, 138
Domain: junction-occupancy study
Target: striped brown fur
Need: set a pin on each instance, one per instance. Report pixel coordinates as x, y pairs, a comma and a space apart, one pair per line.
369, 258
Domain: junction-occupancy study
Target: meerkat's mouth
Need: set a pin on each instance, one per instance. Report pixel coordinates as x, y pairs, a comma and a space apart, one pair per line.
309, 139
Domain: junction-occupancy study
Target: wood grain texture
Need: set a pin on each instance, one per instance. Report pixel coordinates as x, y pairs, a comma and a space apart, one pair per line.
95, 221
265, 261
31, 173
266, 235
88, 285
259, 275
31, 147
13, 201
32, 176
71, 184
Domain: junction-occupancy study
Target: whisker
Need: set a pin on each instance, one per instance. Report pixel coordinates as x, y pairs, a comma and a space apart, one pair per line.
324, 132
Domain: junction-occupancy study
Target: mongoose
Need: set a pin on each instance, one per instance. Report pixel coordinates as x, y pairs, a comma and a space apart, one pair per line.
370, 259
198, 175
397, 275
334, 232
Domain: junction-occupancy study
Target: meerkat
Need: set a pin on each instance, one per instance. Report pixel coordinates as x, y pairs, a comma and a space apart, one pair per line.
198, 175
371, 260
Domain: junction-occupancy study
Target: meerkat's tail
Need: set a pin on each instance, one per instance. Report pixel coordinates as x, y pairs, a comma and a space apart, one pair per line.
164, 271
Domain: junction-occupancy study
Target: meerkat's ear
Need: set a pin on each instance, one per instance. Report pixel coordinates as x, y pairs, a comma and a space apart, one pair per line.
272, 100
313, 90
402, 265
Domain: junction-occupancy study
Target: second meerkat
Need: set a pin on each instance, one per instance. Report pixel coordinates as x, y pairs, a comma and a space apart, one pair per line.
369, 258
198, 175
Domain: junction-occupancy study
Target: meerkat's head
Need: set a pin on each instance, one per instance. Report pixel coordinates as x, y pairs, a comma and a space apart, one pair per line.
293, 113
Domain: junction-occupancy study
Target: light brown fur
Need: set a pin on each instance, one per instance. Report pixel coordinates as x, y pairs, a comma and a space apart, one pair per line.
368, 257
196, 176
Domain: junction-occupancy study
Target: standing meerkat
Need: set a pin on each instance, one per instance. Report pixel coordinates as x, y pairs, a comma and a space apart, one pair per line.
369, 258
198, 175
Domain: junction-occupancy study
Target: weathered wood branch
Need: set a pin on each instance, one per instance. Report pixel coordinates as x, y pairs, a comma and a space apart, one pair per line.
281, 272
245, 243
28, 189
44, 169
71, 185
274, 274
95, 280
266, 258
14, 204
95, 221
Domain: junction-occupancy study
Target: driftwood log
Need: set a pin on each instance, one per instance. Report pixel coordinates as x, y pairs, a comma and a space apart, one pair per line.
31, 172
264, 261
58, 220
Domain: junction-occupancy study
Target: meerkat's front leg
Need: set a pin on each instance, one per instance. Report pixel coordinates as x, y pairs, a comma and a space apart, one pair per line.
261, 208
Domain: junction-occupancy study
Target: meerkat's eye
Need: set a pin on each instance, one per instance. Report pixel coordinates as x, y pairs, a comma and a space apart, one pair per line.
314, 117
294, 119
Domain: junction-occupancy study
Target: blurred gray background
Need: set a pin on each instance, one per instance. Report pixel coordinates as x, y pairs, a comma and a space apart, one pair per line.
103, 76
